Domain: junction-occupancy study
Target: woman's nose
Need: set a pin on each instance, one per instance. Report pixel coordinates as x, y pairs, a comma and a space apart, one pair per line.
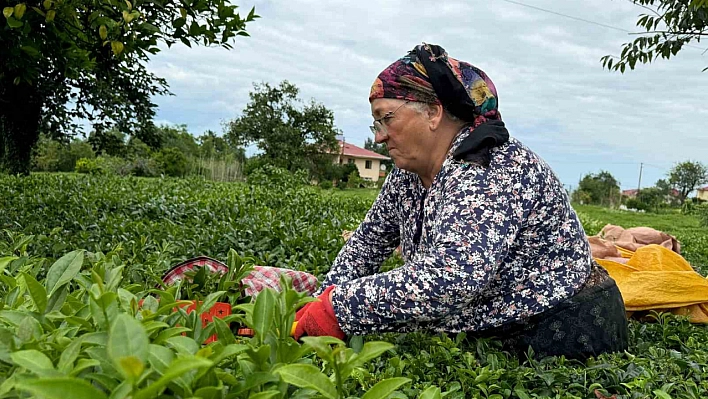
380, 138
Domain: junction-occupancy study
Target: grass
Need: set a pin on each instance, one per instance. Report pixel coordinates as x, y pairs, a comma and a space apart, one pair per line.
672, 221
362, 193
686, 228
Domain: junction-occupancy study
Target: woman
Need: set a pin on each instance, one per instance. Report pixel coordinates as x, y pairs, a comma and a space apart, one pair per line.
490, 242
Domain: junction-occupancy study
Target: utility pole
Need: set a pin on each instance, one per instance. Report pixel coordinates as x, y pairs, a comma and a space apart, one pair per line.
639, 185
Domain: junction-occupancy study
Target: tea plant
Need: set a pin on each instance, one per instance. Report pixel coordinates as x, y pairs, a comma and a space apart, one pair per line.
81, 333
83, 314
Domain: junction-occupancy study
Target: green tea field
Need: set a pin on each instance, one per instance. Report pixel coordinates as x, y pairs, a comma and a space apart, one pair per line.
81, 317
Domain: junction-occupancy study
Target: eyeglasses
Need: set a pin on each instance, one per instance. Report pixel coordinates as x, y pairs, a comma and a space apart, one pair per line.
379, 126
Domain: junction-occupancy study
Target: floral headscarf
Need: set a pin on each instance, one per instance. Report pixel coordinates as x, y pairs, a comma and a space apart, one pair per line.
428, 74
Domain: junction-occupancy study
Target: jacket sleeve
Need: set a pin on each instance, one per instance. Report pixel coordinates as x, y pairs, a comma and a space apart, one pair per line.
372, 242
475, 227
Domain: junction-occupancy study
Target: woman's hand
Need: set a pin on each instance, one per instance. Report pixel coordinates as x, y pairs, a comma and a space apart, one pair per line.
318, 319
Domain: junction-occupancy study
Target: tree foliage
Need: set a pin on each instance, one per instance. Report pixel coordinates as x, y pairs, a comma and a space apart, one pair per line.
649, 199
289, 136
66, 60
687, 176
668, 26
601, 188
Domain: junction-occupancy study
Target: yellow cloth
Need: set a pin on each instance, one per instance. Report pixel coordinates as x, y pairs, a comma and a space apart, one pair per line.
656, 278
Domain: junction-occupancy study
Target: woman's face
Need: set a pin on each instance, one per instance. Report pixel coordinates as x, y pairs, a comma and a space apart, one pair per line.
404, 130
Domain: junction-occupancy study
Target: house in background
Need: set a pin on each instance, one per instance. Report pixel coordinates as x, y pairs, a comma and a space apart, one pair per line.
367, 162
702, 193
632, 193
671, 197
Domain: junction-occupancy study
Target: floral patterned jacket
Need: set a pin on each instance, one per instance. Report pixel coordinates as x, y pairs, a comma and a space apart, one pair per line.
482, 246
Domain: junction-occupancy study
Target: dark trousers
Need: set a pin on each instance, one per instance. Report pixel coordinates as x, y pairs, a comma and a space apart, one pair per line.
588, 324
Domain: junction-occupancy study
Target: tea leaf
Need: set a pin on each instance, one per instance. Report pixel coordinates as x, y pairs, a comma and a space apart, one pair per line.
64, 270
128, 346
5, 261
84, 364
371, 350
430, 393
183, 345
104, 309
61, 388
160, 357
255, 380
213, 392
209, 301
265, 395
29, 329
122, 391
57, 299
98, 338
33, 360
230, 350
37, 292
661, 394
223, 331
307, 376
263, 313
385, 387
176, 369
170, 332
321, 345
69, 355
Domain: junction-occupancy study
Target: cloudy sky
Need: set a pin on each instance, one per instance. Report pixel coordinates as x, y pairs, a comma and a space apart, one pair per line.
553, 92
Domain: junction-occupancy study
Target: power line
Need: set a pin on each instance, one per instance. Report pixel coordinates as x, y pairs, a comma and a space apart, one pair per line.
588, 162
567, 16
584, 20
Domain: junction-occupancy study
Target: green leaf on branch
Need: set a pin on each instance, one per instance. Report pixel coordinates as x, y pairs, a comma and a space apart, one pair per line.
117, 47
308, 376
20, 10
37, 292
175, 370
13, 23
386, 387
61, 388
434, 393
128, 346
33, 360
263, 313
64, 270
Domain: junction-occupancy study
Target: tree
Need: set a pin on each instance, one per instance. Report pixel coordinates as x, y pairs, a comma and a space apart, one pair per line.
111, 142
686, 177
668, 26
652, 198
601, 188
664, 186
173, 161
217, 147
136, 149
178, 137
67, 60
290, 137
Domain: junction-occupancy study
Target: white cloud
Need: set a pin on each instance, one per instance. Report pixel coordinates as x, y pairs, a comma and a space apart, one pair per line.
554, 93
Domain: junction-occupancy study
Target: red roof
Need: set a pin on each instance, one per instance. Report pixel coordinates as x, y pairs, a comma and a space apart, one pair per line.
673, 192
357, 152
703, 188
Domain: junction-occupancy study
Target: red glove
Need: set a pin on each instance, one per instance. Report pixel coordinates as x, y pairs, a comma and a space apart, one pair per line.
318, 319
